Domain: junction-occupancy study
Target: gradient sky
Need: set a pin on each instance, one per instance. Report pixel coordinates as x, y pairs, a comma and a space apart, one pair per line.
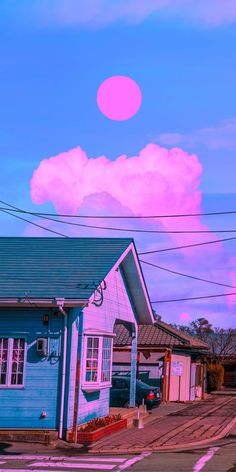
54, 56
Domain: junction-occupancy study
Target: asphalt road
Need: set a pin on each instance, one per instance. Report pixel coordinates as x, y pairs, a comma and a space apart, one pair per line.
218, 458
212, 459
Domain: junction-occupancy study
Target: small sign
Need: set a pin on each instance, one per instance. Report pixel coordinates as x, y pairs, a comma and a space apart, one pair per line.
177, 368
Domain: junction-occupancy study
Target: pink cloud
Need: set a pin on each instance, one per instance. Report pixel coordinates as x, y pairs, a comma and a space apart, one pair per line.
157, 181
221, 136
99, 13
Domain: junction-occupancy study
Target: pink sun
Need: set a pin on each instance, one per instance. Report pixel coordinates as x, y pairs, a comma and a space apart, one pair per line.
119, 97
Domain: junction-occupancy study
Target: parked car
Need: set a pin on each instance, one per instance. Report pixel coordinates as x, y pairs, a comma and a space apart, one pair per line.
119, 392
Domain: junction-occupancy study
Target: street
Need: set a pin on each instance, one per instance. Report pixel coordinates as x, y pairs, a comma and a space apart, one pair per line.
217, 458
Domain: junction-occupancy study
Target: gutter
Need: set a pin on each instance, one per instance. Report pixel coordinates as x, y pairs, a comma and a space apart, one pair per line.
60, 304
46, 302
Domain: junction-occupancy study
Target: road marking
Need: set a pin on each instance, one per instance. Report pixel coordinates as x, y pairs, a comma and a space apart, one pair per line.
82, 466
132, 461
204, 459
74, 465
66, 458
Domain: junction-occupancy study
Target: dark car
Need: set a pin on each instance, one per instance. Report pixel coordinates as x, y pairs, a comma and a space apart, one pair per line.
119, 392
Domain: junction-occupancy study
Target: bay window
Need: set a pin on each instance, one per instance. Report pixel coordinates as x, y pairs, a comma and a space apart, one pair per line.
12, 362
97, 361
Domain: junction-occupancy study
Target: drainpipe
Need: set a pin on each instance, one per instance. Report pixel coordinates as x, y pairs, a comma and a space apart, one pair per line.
60, 304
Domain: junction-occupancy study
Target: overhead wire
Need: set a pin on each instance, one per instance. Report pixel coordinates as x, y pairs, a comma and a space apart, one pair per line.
181, 215
133, 230
186, 275
186, 246
35, 224
169, 270
194, 298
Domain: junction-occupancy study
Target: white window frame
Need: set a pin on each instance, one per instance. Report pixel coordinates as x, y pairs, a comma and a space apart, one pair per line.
98, 384
8, 384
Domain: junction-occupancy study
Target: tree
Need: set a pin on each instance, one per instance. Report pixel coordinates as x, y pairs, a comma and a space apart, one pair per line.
223, 343
202, 329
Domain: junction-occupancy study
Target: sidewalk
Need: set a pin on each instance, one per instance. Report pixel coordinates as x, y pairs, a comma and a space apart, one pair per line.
198, 423
171, 426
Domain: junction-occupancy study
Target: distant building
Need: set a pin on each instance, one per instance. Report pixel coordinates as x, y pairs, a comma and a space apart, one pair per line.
167, 357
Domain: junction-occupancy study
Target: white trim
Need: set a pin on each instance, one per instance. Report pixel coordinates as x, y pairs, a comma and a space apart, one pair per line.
131, 248
97, 332
8, 385
46, 302
90, 386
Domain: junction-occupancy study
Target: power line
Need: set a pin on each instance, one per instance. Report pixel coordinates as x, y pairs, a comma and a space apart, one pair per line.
135, 230
184, 215
186, 246
35, 224
63, 235
194, 298
186, 275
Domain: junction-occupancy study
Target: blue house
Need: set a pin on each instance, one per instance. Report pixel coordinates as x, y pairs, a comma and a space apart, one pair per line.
60, 300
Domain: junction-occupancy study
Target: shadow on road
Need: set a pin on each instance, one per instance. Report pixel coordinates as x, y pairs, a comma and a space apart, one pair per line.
3, 447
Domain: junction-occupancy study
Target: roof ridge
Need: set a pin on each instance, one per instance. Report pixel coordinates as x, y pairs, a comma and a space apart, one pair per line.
172, 331
185, 336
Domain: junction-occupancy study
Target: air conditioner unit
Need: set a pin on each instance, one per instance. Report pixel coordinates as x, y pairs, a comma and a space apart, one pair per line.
42, 347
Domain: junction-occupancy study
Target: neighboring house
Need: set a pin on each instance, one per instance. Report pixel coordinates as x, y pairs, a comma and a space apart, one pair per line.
167, 357
60, 300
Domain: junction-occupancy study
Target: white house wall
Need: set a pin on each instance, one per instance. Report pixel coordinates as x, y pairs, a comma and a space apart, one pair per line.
116, 306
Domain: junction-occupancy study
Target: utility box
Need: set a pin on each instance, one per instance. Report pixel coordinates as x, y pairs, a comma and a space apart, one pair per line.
42, 347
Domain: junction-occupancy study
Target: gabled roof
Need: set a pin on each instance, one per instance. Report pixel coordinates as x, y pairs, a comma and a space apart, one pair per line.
43, 269
192, 340
56, 267
159, 334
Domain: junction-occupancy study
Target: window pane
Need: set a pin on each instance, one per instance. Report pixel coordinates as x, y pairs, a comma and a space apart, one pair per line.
3, 360
91, 374
17, 361
106, 360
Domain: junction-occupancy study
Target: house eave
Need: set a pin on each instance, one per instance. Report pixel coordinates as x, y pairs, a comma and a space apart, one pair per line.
40, 302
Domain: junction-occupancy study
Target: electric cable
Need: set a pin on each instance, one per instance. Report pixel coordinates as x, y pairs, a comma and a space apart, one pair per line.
186, 275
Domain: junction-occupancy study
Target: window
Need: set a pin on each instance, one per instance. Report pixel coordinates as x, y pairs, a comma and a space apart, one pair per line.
12, 361
98, 359
106, 360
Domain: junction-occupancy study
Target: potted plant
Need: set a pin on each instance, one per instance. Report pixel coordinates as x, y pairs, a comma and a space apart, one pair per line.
99, 428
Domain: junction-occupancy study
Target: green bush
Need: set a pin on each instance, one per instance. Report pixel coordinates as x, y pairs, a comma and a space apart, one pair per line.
215, 377
97, 423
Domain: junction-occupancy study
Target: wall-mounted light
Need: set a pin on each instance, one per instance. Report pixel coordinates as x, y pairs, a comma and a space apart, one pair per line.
46, 319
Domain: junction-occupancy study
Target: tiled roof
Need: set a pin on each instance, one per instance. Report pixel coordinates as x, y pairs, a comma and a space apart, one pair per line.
158, 335
56, 267
194, 341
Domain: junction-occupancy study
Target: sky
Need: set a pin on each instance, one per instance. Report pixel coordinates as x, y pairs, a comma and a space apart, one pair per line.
176, 155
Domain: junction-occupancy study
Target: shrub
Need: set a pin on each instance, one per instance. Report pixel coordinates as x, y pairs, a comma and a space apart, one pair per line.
215, 377
97, 423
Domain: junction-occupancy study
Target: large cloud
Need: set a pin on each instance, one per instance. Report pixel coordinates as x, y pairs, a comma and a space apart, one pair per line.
99, 13
157, 181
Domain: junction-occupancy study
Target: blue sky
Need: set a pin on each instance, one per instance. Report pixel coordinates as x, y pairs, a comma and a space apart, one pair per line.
186, 68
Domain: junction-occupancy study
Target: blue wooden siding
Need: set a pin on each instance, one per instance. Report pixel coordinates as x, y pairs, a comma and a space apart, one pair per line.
74, 328
116, 306
22, 407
